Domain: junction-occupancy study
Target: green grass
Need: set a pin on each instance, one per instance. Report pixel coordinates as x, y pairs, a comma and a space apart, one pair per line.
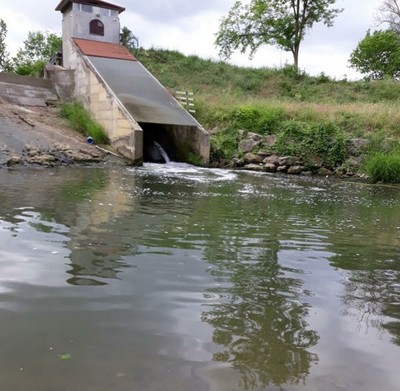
220, 80
383, 167
80, 120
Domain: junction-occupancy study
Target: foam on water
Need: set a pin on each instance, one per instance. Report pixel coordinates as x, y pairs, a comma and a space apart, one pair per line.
186, 171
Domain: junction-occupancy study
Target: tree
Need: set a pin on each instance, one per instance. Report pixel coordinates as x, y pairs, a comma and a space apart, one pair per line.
37, 51
378, 55
389, 13
4, 55
283, 23
128, 39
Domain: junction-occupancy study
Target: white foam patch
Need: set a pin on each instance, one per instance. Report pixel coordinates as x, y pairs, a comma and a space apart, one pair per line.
186, 171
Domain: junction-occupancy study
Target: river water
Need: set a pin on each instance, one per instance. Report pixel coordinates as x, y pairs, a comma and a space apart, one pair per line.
170, 277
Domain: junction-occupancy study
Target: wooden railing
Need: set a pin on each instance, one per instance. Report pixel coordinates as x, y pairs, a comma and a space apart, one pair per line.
186, 99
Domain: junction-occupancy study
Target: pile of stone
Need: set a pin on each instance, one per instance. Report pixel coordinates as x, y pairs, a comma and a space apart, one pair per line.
265, 162
259, 155
56, 156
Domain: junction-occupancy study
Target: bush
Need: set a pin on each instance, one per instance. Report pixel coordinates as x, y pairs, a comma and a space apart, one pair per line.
31, 68
224, 145
383, 167
81, 121
259, 119
310, 140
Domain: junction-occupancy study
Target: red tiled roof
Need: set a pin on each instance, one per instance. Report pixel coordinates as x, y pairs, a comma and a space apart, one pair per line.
103, 49
65, 3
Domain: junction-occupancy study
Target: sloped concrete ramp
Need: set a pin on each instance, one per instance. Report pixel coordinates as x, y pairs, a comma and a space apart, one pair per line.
141, 94
26, 91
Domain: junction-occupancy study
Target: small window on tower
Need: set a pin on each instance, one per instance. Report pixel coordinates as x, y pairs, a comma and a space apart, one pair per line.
96, 27
87, 8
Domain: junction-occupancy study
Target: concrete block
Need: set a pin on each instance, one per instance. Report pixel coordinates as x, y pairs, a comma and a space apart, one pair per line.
123, 124
103, 96
95, 88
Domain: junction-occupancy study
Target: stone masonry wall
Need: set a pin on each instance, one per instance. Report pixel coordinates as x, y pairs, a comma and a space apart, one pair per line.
125, 134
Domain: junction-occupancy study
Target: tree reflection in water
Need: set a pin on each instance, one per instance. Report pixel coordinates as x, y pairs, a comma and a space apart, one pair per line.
260, 319
372, 291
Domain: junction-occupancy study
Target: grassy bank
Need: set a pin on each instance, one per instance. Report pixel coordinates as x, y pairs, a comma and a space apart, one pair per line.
80, 120
310, 116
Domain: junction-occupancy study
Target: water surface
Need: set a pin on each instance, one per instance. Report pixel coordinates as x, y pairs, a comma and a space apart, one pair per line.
171, 277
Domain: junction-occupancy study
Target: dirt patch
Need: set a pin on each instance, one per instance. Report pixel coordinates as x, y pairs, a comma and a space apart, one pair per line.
38, 136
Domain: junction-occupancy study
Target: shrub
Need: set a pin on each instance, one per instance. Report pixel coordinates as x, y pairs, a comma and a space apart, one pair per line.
259, 119
81, 121
224, 145
31, 68
309, 140
384, 167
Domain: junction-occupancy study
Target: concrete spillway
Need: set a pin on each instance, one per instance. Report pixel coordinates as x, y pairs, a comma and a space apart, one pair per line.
134, 108
141, 94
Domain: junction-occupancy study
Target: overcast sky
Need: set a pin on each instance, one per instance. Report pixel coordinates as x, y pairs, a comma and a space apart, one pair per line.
190, 26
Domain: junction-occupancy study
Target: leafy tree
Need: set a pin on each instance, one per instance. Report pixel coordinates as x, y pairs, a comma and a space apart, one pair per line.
283, 23
389, 13
378, 55
4, 55
37, 51
128, 39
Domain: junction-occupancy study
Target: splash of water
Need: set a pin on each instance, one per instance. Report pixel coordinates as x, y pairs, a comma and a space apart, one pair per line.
162, 152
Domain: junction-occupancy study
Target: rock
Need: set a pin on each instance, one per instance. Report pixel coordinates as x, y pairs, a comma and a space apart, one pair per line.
254, 136
33, 152
316, 162
306, 173
273, 159
262, 155
341, 171
281, 169
288, 161
269, 167
324, 172
42, 159
356, 145
354, 161
248, 145
252, 158
271, 140
241, 133
254, 167
230, 164
295, 170
237, 162
213, 131
14, 160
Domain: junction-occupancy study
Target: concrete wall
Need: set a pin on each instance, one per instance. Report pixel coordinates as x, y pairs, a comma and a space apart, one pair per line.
125, 134
195, 140
75, 24
63, 81
12, 78
26, 91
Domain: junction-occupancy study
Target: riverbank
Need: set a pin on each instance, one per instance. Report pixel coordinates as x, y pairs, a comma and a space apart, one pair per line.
37, 136
276, 119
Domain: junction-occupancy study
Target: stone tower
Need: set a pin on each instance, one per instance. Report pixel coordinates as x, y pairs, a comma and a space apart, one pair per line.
93, 20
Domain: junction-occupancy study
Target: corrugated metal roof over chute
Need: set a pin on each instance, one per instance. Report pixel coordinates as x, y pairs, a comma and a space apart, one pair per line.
141, 94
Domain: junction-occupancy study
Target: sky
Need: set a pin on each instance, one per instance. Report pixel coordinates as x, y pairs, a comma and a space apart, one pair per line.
189, 26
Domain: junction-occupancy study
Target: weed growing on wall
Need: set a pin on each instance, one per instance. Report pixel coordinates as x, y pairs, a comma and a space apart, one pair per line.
81, 121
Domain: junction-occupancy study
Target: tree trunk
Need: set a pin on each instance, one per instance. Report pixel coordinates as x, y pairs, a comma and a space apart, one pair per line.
296, 57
